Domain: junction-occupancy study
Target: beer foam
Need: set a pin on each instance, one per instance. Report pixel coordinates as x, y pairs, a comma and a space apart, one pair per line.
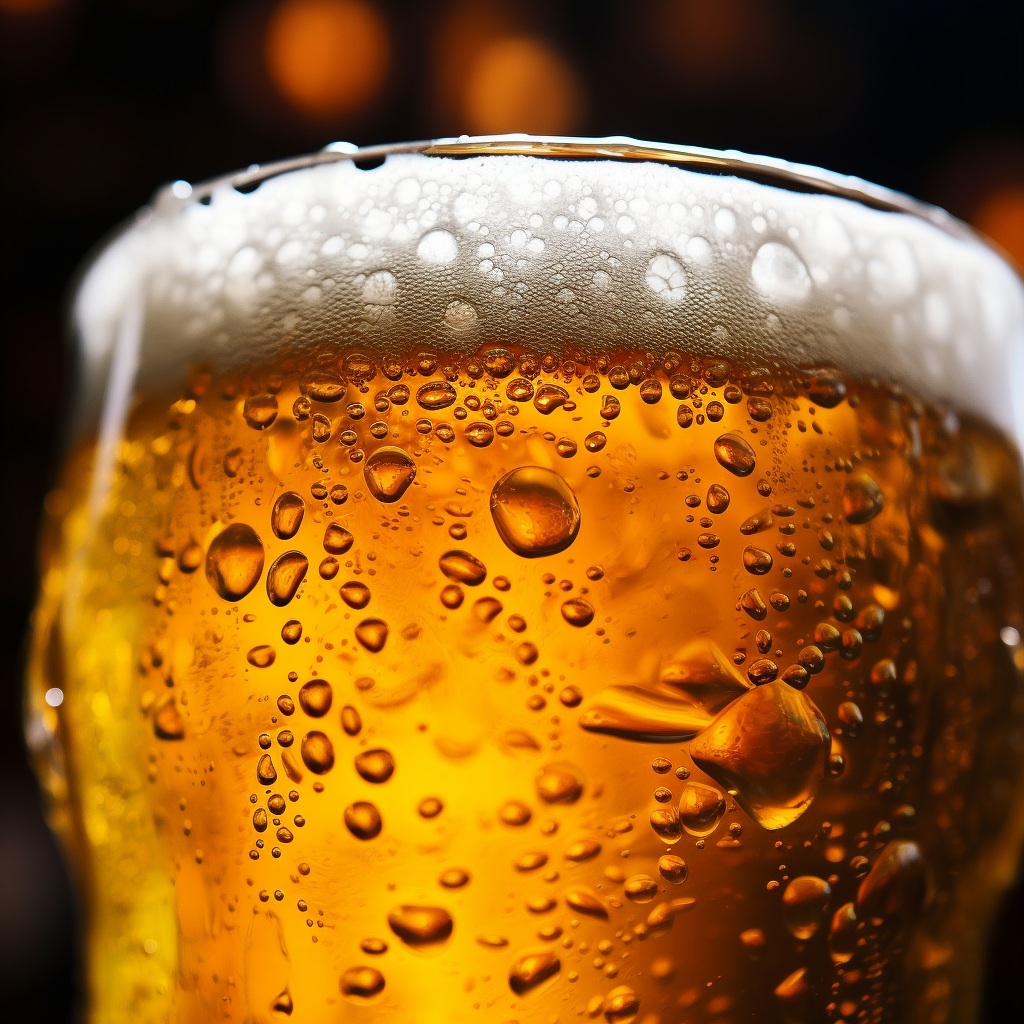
556, 255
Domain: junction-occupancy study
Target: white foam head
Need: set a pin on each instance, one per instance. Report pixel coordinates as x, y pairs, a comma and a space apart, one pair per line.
557, 254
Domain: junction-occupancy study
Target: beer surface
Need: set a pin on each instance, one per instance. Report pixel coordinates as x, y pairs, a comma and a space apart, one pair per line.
518, 690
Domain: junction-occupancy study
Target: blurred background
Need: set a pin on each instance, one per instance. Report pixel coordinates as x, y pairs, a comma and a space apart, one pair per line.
101, 101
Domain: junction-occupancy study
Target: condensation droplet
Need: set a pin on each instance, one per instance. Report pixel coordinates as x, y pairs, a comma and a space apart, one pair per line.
804, 903
462, 567
436, 395
389, 472
315, 697
262, 656
363, 820
420, 926
266, 773
260, 411
355, 594
673, 869
578, 612
361, 983
862, 499
700, 809
351, 721
559, 783
234, 561
640, 889
372, 634
734, 454
535, 512
375, 765
532, 969
337, 540
317, 752
285, 575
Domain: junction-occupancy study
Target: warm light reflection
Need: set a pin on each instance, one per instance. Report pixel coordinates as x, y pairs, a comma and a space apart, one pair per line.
327, 57
1001, 217
519, 84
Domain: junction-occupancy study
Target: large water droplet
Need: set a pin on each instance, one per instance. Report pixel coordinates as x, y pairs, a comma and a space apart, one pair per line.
355, 594
436, 395
769, 746
322, 386
438, 246
285, 575
351, 721
282, 1003
167, 721
372, 634
234, 561
260, 411
640, 889
532, 969
779, 273
389, 472
583, 901
337, 540
666, 824
842, 937
535, 511
804, 904
363, 820
703, 673
286, 516
673, 869
420, 926
621, 1005
735, 455
700, 809
317, 752
266, 773
375, 765
578, 612
549, 397
896, 883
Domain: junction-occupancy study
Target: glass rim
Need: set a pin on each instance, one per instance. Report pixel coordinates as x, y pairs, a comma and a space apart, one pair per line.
771, 171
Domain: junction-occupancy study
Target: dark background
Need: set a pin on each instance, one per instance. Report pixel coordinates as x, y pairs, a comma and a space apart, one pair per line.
103, 100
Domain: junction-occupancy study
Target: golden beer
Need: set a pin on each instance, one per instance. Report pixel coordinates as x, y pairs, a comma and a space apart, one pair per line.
520, 681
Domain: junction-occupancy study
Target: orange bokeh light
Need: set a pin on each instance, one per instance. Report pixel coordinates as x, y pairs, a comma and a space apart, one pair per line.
1001, 217
521, 84
327, 57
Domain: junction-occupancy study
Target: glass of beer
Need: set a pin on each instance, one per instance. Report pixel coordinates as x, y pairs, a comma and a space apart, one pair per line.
537, 580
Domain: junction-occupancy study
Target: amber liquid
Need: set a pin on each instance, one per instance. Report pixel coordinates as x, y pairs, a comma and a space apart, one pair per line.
714, 714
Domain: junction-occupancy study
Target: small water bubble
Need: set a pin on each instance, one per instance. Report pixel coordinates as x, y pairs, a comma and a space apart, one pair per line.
453, 878
640, 889
578, 612
262, 656
436, 395
666, 824
531, 970
259, 819
321, 428
361, 983
317, 752
515, 813
452, 596
285, 575
462, 567
315, 697
266, 773
804, 903
862, 499
718, 499
757, 560
429, 807
351, 721
420, 926
389, 472
234, 561
559, 783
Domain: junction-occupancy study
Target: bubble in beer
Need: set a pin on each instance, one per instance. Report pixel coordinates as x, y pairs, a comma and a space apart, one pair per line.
825, 388
862, 499
549, 397
372, 634
718, 499
672, 868
389, 472
436, 395
322, 386
769, 746
666, 824
535, 512
291, 632
462, 567
266, 773
532, 969
842, 938
420, 926
757, 560
355, 594
701, 809
375, 765
234, 561
453, 878
640, 889
479, 434
559, 784
734, 454
337, 540
315, 697
361, 983
363, 820
284, 576
578, 612
896, 883
452, 596
262, 656
317, 752
804, 903
260, 411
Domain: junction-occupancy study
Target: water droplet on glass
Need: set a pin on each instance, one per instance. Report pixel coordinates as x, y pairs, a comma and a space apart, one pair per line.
582, 850
351, 722
549, 397
260, 411
462, 567
842, 938
583, 901
515, 813
363, 820
282, 1004
535, 511
361, 983
420, 926
673, 869
234, 561
315, 697
700, 809
804, 903
430, 807
621, 1005
167, 721
531, 970
559, 784
896, 883
862, 499
640, 889
645, 715
389, 472
578, 612
285, 575
666, 824
770, 747
735, 455
718, 499
262, 656
337, 540
374, 946
355, 594
372, 634
825, 388
266, 773
757, 560
317, 752
322, 386
375, 765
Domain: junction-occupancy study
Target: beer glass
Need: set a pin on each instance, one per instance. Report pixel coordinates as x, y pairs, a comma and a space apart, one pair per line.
537, 580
